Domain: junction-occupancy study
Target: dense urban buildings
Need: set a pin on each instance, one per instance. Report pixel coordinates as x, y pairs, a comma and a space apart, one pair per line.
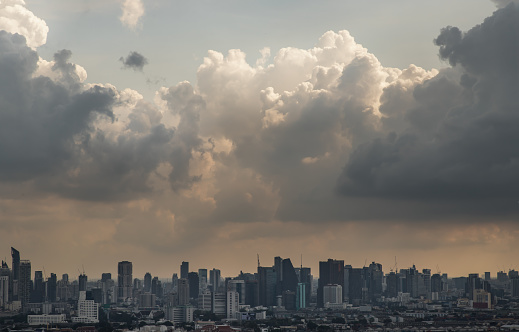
280, 290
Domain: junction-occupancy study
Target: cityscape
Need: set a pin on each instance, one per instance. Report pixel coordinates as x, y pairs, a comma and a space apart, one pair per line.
259, 165
337, 297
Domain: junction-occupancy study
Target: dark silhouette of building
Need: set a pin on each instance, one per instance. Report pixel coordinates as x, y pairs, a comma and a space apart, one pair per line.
214, 279
267, 280
15, 255
194, 286
124, 280
83, 282
184, 270
147, 282
25, 282
331, 272
356, 284
38, 292
52, 288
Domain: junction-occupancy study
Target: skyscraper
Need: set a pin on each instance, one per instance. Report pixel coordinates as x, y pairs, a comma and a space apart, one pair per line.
15, 255
52, 287
183, 291
83, 282
38, 292
24, 282
147, 282
214, 278
194, 286
184, 270
331, 272
124, 280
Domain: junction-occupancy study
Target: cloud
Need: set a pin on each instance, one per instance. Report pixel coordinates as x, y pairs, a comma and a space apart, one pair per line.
456, 148
134, 60
300, 145
504, 3
15, 18
132, 11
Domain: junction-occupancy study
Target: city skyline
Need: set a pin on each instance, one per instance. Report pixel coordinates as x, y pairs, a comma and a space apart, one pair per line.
211, 132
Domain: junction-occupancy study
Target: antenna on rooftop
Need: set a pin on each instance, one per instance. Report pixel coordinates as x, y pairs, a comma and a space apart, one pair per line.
301, 261
258, 261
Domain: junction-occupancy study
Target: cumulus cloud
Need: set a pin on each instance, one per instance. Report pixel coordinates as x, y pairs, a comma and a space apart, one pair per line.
134, 60
15, 18
504, 3
132, 11
298, 138
456, 148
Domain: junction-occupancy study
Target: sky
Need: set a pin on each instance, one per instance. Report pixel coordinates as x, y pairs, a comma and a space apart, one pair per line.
205, 131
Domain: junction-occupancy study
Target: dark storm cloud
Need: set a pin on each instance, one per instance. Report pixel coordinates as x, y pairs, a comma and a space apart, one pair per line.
134, 60
460, 139
63, 135
38, 117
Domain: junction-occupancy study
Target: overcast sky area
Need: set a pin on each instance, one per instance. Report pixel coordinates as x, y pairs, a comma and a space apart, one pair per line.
158, 131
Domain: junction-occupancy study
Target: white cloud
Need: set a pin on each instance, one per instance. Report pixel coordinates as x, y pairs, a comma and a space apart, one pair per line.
133, 10
15, 18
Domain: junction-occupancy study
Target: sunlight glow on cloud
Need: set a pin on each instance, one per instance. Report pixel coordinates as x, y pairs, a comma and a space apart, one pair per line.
15, 18
132, 11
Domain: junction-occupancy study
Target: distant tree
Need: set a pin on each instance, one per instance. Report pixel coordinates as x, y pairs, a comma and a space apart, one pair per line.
311, 326
338, 320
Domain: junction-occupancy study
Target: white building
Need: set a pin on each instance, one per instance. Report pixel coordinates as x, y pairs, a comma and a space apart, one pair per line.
233, 304
204, 301
88, 310
332, 294
182, 314
46, 319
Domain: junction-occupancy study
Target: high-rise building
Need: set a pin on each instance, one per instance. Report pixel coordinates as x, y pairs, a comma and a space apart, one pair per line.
174, 280
52, 285
184, 270
24, 282
487, 276
88, 310
83, 282
38, 291
301, 296
183, 291
331, 272
214, 279
194, 287
147, 282
15, 255
124, 281
267, 280
233, 304
202, 279
332, 294
106, 276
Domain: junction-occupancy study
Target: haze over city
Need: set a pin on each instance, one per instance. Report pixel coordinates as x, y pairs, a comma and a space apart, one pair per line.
160, 131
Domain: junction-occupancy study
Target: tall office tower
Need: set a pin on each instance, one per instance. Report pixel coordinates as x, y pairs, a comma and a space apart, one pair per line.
233, 304
331, 272
304, 275
24, 282
156, 287
251, 293
356, 279
63, 289
38, 290
124, 280
64, 277
4, 290
194, 287
238, 285
106, 276
346, 287
137, 284
267, 280
147, 282
301, 296
514, 287
473, 283
202, 278
436, 283
214, 279
393, 284
278, 267
15, 255
52, 285
83, 282
5, 281
174, 281
184, 270
289, 278
487, 276
183, 291
376, 277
